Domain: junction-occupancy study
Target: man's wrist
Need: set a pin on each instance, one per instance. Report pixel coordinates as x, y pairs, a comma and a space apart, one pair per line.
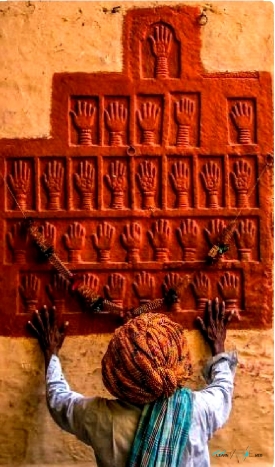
217, 348
48, 355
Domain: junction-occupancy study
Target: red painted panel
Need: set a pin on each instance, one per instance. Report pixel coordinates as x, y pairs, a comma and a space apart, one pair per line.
144, 171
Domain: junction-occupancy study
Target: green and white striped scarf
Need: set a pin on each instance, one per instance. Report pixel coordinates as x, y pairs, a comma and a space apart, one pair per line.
162, 432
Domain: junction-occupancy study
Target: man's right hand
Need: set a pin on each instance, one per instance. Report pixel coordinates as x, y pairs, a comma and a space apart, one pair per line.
45, 328
214, 325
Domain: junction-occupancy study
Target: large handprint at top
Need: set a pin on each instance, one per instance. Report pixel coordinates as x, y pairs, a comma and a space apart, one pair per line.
161, 41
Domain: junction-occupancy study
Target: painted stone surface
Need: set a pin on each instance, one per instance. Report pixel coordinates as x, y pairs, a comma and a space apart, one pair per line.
146, 171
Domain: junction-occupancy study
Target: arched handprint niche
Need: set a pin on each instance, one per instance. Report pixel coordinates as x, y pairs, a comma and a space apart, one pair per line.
160, 52
83, 120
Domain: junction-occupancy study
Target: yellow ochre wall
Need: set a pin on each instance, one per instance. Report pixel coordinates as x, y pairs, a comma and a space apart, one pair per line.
38, 39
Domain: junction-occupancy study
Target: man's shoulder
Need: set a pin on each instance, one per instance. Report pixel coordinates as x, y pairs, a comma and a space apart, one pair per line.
113, 405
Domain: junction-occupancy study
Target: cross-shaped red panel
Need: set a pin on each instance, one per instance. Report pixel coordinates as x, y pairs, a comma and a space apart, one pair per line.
144, 173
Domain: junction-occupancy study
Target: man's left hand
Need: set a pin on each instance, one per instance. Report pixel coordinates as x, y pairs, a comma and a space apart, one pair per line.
45, 328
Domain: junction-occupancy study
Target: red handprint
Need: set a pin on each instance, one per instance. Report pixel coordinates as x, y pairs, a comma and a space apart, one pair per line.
211, 176
180, 180
131, 239
57, 291
116, 122
17, 240
245, 235
215, 231
229, 287
84, 180
160, 236
29, 290
103, 241
188, 237
242, 118
75, 241
161, 42
53, 180
90, 282
49, 233
19, 182
115, 289
185, 111
241, 178
147, 180
148, 121
116, 180
202, 289
144, 287
172, 280
83, 118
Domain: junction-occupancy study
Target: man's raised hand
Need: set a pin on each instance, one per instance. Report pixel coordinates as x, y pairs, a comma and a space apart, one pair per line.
214, 325
45, 328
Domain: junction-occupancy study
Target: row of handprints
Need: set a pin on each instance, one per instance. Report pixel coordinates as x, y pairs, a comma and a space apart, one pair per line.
158, 241
147, 126
116, 287
146, 177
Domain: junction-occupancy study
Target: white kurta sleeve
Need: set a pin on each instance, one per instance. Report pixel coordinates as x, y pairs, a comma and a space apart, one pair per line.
215, 401
67, 408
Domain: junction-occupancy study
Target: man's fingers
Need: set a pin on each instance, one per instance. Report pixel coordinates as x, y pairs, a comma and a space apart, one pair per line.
39, 322
63, 330
34, 330
38, 335
52, 317
216, 310
64, 327
201, 325
223, 311
46, 317
210, 307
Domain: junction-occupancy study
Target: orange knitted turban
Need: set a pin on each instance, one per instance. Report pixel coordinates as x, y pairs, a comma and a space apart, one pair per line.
147, 358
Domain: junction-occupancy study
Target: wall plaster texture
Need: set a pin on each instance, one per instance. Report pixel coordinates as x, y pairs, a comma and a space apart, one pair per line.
38, 39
